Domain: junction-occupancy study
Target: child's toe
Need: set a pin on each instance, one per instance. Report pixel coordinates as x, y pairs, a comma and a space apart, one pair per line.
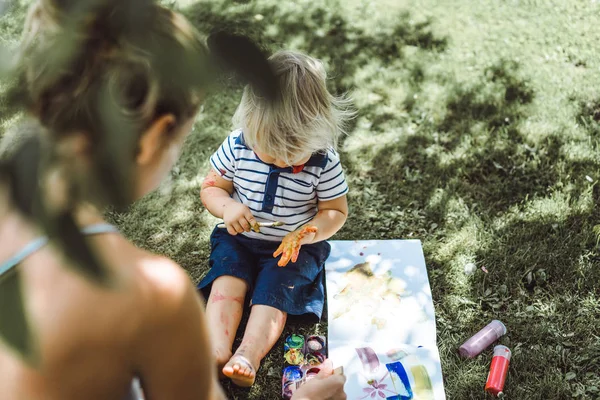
241, 371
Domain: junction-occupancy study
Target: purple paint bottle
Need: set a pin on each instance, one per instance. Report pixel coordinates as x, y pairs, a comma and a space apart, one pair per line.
482, 339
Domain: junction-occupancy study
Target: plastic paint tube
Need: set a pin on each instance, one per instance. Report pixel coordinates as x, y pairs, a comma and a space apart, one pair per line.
482, 339
498, 370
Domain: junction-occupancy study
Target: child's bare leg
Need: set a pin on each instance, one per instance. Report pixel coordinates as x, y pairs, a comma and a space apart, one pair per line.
224, 312
264, 328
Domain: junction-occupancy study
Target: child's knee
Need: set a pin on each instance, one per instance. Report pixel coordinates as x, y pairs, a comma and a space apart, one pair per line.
230, 284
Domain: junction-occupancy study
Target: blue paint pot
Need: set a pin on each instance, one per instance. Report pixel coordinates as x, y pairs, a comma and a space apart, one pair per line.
292, 373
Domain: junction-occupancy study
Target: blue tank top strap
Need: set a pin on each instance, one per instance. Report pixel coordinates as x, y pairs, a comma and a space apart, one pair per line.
97, 229
40, 242
25, 252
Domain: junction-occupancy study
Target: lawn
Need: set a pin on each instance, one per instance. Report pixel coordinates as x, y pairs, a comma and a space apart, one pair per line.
477, 132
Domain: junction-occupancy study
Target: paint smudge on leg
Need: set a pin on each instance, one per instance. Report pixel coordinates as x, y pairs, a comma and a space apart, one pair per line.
218, 296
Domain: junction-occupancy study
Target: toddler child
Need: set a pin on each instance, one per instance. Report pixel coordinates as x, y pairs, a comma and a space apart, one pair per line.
279, 165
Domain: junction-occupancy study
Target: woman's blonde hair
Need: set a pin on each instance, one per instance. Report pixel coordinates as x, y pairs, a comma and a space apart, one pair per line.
305, 119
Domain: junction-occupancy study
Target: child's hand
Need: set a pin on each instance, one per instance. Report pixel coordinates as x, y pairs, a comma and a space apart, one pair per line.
238, 218
290, 246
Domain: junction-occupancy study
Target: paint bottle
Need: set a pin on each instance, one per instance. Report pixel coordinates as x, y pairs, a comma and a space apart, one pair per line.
498, 371
482, 339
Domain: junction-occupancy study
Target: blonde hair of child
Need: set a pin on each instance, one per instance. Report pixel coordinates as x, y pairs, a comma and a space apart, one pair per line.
306, 118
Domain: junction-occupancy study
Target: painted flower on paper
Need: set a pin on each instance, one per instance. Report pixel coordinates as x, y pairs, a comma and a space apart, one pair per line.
377, 389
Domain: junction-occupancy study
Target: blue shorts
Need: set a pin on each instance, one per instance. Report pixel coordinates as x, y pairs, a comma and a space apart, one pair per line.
296, 288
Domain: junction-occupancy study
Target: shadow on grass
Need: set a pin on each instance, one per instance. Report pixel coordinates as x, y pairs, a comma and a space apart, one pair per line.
321, 31
475, 162
478, 156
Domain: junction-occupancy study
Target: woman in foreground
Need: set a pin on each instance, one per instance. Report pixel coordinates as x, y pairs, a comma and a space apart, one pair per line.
145, 320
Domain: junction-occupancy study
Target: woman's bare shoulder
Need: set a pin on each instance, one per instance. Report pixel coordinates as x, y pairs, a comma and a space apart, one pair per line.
164, 285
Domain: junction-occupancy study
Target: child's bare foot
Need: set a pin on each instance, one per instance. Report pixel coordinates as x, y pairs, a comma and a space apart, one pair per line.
222, 355
240, 370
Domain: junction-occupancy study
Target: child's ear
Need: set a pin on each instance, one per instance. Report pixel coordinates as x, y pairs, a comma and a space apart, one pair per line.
155, 139
242, 56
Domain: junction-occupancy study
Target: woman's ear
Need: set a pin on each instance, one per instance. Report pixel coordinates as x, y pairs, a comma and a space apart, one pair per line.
154, 139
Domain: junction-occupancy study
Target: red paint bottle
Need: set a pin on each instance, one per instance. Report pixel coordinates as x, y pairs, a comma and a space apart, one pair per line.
498, 370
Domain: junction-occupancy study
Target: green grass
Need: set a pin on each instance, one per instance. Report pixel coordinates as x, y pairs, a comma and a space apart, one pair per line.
477, 133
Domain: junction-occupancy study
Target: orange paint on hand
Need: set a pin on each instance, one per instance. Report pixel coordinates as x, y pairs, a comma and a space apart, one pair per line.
290, 246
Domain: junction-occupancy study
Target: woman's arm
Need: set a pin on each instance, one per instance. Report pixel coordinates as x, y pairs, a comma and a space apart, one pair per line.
175, 358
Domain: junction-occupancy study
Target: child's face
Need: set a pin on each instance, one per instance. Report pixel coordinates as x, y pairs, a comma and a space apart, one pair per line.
268, 159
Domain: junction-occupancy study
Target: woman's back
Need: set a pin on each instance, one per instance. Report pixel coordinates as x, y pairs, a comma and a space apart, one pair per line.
92, 340
108, 124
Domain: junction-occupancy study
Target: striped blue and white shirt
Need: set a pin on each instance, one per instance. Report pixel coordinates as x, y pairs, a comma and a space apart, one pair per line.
278, 194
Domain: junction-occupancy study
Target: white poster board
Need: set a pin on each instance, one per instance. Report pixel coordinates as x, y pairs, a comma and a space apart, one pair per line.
381, 320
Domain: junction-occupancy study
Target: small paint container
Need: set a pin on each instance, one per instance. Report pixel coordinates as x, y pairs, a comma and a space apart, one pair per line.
311, 373
482, 339
295, 342
314, 359
498, 371
291, 378
292, 374
315, 343
294, 356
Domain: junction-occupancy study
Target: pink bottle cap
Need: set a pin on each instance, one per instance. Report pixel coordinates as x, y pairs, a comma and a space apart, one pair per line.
499, 327
502, 351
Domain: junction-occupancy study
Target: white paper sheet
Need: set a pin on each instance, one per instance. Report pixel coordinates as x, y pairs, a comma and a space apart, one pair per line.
381, 320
